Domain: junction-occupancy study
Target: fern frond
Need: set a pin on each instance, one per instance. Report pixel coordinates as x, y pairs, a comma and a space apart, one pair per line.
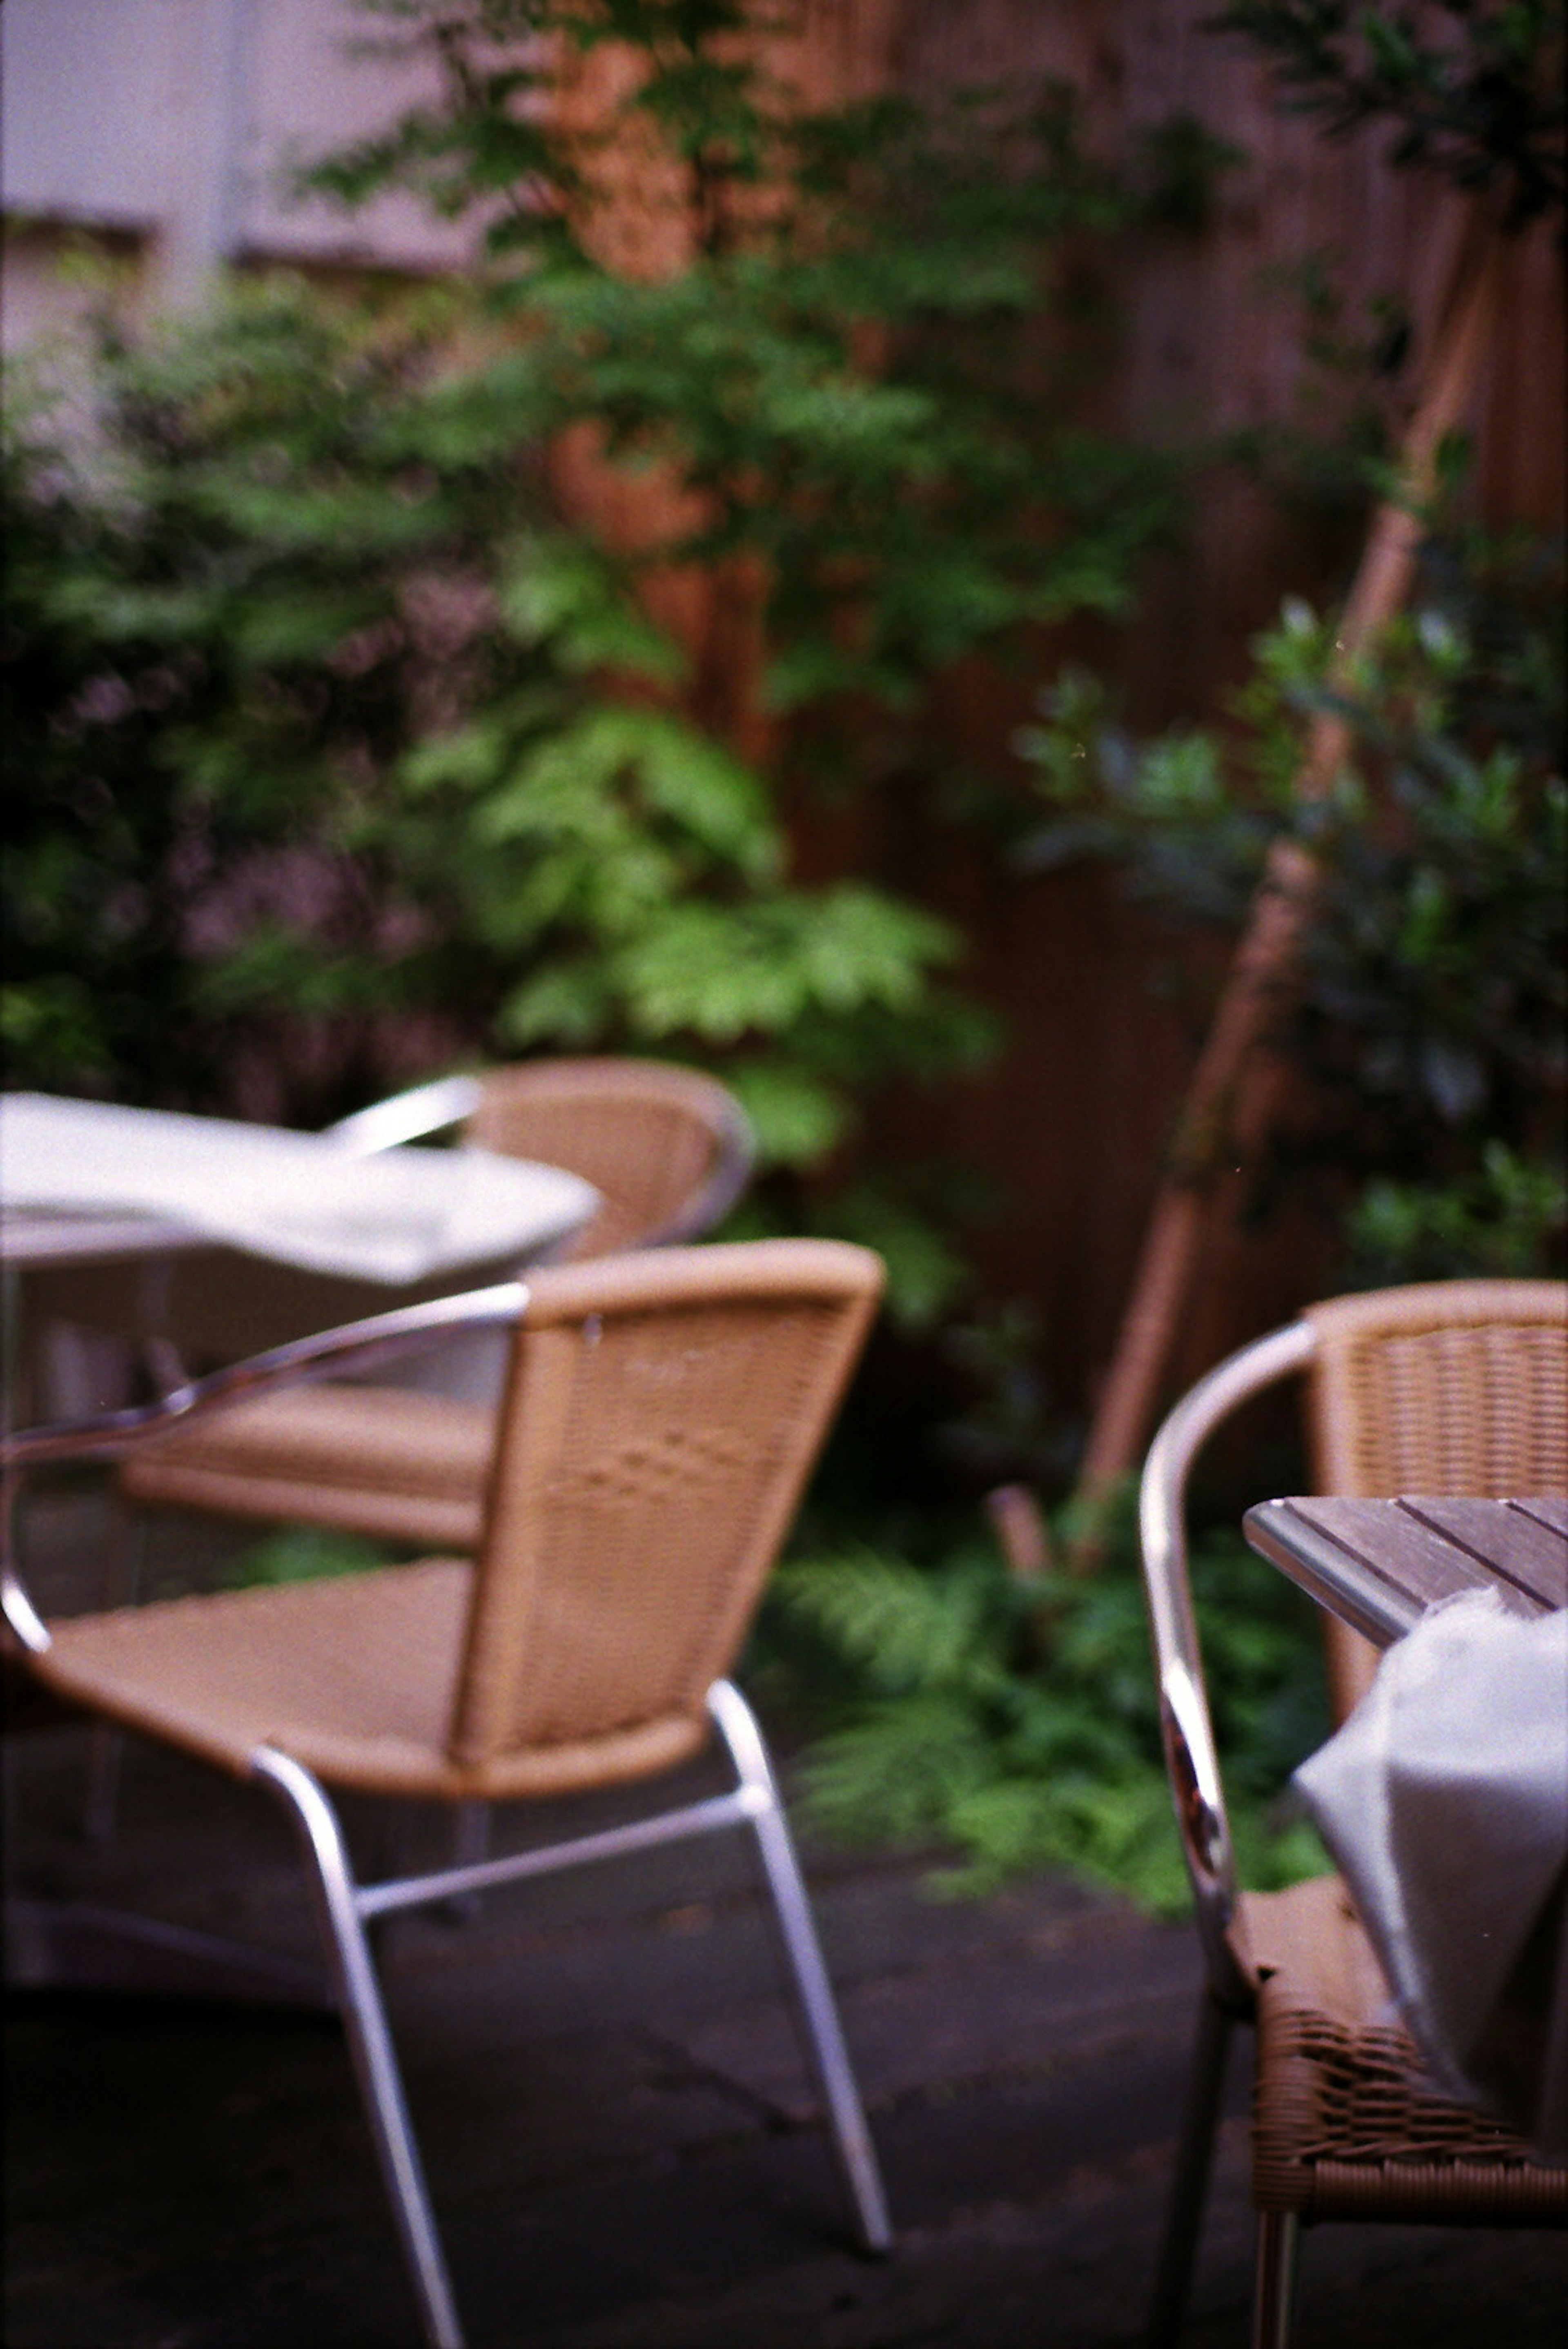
905, 1627
897, 1772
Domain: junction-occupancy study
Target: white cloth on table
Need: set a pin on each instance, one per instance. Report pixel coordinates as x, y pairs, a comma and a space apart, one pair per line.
399, 1215
1444, 1800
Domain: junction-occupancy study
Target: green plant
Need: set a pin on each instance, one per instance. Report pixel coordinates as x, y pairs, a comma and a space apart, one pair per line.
1012, 1723
851, 365
316, 779
1428, 1013
345, 753
236, 605
1502, 1220
860, 352
1472, 88
304, 1553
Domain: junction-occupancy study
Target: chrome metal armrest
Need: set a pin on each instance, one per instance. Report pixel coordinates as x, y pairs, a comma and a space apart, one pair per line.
1191, 1758
406, 1117
724, 1186
356, 1345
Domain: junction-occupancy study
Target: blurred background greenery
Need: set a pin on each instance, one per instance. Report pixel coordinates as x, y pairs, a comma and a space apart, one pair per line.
348, 744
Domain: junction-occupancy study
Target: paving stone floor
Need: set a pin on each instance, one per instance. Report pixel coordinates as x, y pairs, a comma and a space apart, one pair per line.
617, 2128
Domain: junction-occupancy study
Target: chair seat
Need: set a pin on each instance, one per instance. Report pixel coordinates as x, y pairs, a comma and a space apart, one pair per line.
1345, 2126
352, 1676
384, 1461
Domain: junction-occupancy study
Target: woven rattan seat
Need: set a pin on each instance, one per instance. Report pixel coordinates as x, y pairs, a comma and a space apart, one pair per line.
661, 1411
353, 1676
1347, 2125
1450, 1388
667, 1149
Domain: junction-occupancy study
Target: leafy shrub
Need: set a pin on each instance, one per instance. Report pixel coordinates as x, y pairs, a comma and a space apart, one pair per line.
1429, 1011
860, 362
315, 780
304, 1553
1503, 1221
1012, 1723
344, 755
1470, 88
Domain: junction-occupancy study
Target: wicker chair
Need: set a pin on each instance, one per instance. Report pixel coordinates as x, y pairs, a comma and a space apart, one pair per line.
661, 1413
668, 1150
1457, 1387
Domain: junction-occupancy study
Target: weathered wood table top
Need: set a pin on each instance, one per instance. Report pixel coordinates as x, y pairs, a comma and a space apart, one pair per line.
1379, 1565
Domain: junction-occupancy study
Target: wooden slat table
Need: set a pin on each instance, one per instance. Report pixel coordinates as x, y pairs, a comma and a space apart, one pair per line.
1379, 1565
1443, 1798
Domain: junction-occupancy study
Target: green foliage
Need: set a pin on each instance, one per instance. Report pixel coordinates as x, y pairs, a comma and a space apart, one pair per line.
867, 366
1474, 86
345, 756
1430, 1010
1013, 1722
241, 600
311, 757
1504, 1220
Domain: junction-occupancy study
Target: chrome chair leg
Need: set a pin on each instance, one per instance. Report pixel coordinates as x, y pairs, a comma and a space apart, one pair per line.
1274, 2278
823, 2038
369, 2040
1189, 2185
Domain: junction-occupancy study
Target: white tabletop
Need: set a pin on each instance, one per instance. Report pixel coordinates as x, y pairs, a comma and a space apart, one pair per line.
93, 1179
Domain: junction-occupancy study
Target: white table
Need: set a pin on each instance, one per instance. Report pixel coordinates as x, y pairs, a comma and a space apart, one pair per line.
225, 1237
154, 1225
399, 1215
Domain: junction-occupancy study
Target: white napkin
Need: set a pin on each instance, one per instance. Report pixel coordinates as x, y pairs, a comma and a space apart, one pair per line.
398, 1216
1444, 1800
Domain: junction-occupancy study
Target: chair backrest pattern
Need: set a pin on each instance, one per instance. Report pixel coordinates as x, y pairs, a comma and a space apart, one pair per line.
1453, 1387
666, 1148
662, 1413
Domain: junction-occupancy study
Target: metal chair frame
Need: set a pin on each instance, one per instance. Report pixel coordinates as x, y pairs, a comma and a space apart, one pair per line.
411, 1116
1229, 1992
345, 1906
1192, 1764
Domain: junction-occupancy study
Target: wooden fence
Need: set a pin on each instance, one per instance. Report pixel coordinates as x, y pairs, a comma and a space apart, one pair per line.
1073, 1121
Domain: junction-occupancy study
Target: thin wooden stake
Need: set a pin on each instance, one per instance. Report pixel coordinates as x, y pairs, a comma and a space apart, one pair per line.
1229, 1103
1021, 1536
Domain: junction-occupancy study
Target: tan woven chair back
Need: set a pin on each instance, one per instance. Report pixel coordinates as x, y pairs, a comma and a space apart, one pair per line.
666, 1148
1460, 1386
1457, 1386
662, 1413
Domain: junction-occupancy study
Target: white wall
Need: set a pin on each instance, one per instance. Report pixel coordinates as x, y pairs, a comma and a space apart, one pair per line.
171, 124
